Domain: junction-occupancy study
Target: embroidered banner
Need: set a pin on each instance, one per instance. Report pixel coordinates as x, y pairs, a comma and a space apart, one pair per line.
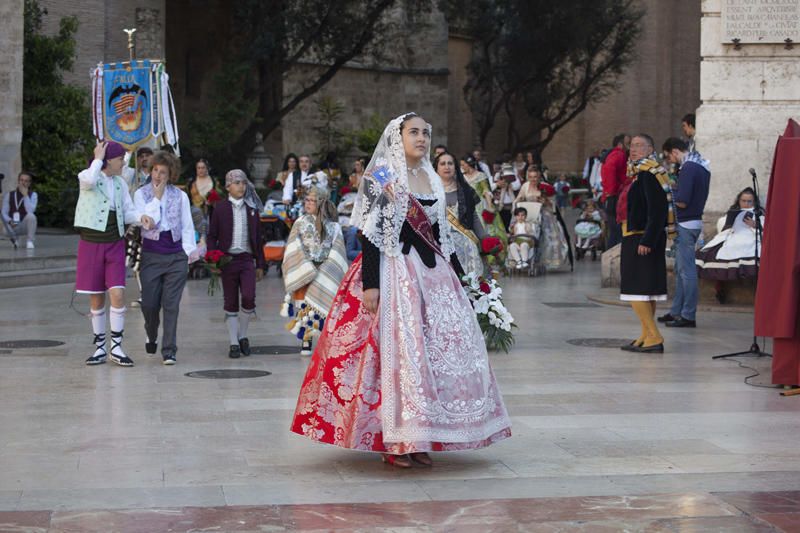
127, 102
132, 104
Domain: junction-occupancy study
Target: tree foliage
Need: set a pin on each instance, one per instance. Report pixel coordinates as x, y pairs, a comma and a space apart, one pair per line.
56, 122
287, 50
541, 62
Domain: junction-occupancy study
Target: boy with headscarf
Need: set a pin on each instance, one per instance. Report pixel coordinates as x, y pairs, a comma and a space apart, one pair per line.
235, 230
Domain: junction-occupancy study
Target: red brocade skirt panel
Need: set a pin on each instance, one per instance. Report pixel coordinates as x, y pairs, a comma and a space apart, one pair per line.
413, 377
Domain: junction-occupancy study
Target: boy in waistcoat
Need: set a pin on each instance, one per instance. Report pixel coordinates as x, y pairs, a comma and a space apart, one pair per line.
104, 207
235, 230
167, 249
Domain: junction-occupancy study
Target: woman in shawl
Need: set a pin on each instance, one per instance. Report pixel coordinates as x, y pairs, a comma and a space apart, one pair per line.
462, 199
314, 264
401, 366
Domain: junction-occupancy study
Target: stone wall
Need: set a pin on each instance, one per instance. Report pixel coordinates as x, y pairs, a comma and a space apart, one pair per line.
748, 95
11, 36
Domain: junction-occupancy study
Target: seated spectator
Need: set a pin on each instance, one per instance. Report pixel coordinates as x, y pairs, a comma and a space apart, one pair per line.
18, 212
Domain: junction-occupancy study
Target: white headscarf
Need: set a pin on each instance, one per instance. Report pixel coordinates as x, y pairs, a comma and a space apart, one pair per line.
379, 214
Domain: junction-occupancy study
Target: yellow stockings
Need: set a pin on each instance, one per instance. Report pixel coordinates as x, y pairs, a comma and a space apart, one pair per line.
646, 311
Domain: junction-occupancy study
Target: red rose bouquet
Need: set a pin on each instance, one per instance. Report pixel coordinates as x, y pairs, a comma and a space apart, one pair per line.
345, 190
215, 261
547, 189
274, 185
213, 197
488, 216
492, 247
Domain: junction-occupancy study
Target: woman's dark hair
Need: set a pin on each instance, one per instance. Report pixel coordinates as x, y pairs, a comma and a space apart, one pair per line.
286, 159
406, 118
363, 162
746, 190
206, 163
467, 197
468, 159
520, 211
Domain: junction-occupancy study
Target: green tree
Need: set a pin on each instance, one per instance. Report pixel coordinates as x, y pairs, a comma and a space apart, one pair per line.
541, 63
307, 41
56, 122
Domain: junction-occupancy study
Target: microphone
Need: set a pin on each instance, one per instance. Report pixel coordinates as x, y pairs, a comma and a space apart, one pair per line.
752, 172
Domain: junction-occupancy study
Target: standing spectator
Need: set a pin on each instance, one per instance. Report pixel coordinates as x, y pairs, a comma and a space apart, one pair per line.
613, 174
19, 208
438, 150
644, 209
690, 200
508, 185
687, 125
519, 164
482, 166
141, 175
562, 192
591, 173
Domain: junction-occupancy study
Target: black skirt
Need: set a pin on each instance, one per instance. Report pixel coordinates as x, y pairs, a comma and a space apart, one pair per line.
643, 276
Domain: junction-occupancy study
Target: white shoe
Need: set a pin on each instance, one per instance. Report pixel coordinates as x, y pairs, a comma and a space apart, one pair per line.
524, 265
30, 245
519, 266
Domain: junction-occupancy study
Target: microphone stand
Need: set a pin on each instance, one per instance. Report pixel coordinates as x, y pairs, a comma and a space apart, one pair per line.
755, 350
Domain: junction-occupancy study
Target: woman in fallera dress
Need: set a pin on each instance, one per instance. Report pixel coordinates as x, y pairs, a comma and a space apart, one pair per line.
401, 366
467, 230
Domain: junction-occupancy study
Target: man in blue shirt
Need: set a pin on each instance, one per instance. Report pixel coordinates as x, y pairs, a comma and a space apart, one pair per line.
690, 199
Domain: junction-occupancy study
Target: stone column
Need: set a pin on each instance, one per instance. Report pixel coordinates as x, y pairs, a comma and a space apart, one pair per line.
749, 89
11, 52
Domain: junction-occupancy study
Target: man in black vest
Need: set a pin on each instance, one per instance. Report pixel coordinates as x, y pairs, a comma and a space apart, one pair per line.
18, 212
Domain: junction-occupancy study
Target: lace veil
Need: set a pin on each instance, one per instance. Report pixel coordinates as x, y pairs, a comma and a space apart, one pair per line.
380, 214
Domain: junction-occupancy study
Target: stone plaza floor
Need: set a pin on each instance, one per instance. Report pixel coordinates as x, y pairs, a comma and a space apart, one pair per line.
604, 440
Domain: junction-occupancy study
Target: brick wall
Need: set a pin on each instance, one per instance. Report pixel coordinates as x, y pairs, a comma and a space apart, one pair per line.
100, 35
660, 87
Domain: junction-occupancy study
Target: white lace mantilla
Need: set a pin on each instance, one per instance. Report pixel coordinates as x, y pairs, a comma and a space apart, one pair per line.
381, 206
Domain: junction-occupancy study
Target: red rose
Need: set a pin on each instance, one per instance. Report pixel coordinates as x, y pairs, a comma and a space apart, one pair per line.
547, 189
213, 197
490, 245
488, 217
485, 287
345, 190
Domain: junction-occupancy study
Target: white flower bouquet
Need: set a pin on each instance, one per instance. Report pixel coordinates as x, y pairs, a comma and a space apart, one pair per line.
494, 319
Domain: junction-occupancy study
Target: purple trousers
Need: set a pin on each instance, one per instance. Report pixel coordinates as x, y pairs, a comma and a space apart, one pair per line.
239, 276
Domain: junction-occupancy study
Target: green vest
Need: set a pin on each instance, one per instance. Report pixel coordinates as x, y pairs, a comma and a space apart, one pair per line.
93, 206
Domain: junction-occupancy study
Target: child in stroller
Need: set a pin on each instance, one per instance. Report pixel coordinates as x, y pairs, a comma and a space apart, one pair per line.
521, 240
589, 230
275, 229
